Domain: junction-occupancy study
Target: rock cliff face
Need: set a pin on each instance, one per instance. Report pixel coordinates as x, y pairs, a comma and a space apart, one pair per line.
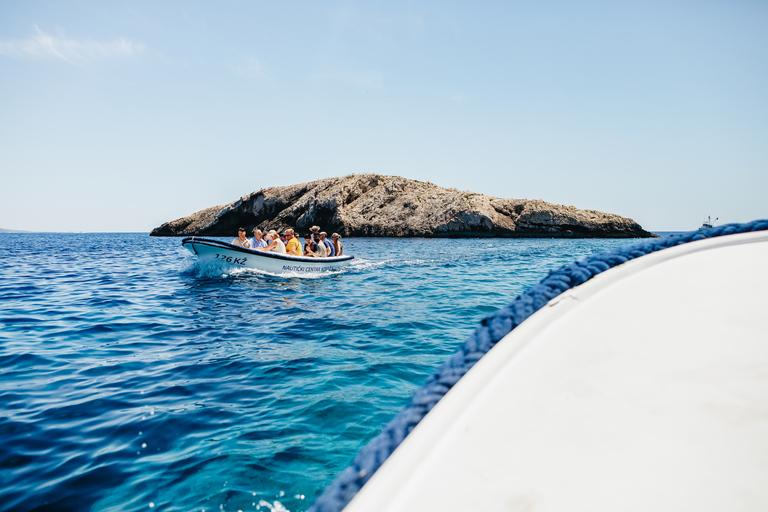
375, 205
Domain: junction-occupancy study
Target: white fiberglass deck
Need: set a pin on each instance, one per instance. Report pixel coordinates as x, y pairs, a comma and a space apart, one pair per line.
645, 389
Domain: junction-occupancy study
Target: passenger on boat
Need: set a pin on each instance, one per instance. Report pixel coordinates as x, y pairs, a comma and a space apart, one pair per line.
241, 241
310, 247
322, 250
293, 246
258, 239
336, 241
276, 245
328, 245
283, 238
314, 232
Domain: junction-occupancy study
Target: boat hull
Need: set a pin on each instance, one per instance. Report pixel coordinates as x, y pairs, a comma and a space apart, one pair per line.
644, 388
222, 252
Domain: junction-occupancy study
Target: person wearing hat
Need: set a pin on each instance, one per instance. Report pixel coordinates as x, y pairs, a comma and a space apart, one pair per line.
314, 231
322, 250
274, 245
257, 240
241, 241
336, 241
328, 245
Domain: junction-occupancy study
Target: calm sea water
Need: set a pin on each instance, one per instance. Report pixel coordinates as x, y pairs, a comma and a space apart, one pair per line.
133, 378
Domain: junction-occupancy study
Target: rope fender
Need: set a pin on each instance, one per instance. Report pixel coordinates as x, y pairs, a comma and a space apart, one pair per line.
491, 330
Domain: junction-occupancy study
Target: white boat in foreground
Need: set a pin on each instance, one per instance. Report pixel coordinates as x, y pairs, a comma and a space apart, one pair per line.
207, 249
645, 388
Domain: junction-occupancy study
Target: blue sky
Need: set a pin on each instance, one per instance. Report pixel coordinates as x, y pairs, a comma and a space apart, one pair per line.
119, 116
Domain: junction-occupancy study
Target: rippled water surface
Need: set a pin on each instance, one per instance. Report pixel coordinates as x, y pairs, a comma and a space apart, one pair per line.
133, 378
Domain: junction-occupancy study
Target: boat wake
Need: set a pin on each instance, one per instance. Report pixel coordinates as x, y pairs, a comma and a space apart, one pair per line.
193, 267
361, 264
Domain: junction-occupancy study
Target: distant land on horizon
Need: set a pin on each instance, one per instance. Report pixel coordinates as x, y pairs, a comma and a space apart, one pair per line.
2, 230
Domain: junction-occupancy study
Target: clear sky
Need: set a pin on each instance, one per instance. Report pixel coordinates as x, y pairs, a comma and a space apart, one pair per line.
121, 115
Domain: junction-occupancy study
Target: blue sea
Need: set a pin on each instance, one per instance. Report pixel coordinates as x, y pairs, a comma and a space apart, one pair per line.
133, 378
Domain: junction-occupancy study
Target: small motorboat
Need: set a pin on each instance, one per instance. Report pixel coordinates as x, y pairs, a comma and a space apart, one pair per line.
709, 222
207, 249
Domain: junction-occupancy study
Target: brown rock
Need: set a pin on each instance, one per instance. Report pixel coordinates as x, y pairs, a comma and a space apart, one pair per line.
375, 205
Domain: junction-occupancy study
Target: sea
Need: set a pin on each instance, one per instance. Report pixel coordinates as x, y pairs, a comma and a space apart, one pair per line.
135, 378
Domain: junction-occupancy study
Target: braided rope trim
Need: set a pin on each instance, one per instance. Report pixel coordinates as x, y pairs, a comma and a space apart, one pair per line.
491, 330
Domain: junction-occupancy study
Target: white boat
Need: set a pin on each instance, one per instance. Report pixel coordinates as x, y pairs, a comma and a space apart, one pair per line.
645, 388
207, 249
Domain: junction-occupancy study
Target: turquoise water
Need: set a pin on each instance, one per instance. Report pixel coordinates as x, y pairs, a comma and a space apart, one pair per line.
133, 378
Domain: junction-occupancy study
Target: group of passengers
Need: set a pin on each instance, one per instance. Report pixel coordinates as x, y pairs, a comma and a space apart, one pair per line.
316, 243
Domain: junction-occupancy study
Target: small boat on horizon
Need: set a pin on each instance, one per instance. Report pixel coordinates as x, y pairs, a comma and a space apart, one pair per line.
709, 222
207, 249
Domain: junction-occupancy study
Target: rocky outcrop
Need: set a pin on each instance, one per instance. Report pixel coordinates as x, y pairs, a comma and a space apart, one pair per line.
375, 205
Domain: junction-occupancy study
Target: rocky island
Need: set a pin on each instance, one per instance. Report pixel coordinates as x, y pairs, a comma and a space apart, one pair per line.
391, 206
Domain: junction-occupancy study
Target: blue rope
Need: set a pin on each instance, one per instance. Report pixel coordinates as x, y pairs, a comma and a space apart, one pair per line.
491, 330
